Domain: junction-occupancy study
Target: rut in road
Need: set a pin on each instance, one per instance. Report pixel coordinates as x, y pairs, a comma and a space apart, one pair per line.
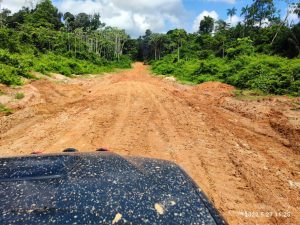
240, 163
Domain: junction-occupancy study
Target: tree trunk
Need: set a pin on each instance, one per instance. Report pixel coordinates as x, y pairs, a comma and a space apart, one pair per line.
279, 28
75, 46
158, 53
69, 42
178, 53
223, 50
96, 45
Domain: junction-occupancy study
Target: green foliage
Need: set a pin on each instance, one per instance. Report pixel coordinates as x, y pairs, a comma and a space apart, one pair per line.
67, 66
269, 74
44, 40
206, 25
5, 110
9, 75
45, 15
242, 46
15, 66
37, 40
19, 96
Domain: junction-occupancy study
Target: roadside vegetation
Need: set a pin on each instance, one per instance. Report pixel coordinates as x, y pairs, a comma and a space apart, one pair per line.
37, 40
254, 54
260, 53
5, 110
19, 96
269, 74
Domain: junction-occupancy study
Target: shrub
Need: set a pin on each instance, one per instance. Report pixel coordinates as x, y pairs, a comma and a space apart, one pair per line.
5, 110
270, 74
242, 46
14, 66
9, 75
19, 96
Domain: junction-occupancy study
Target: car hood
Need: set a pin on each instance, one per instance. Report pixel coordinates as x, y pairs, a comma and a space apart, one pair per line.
99, 187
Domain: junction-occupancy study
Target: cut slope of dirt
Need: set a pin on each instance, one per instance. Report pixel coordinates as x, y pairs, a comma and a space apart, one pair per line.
244, 155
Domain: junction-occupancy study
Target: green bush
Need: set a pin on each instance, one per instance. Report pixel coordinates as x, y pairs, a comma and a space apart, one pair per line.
242, 46
14, 66
9, 75
19, 96
5, 110
269, 74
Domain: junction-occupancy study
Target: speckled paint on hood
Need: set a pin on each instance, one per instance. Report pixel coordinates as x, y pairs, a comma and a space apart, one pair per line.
99, 188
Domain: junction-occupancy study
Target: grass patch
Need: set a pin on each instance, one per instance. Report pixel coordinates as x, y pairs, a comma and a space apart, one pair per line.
19, 96
5, 110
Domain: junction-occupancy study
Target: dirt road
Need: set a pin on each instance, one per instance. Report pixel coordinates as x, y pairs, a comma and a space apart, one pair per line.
243, 154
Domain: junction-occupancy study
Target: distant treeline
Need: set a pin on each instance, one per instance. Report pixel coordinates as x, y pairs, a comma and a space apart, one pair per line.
261, 23
261, 52
45, 40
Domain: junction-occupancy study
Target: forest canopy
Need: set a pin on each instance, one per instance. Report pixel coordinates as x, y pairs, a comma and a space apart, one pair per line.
44, 40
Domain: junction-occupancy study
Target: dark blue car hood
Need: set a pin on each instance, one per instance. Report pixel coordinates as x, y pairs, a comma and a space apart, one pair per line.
99, 188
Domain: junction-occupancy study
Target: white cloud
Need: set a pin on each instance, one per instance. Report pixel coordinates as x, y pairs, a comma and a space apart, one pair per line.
13, 5
132, 15
233, 21
293, 18
213, 14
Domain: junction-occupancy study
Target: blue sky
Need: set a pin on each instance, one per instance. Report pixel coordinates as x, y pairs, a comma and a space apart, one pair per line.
159, 15
194, 8
221, 6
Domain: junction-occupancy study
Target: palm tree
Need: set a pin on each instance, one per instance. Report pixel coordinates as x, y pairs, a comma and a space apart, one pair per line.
244, 11
231, 13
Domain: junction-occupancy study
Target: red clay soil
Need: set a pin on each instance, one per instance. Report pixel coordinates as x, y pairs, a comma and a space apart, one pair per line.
244, 154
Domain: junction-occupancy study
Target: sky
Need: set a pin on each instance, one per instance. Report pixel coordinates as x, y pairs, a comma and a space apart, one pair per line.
158, 15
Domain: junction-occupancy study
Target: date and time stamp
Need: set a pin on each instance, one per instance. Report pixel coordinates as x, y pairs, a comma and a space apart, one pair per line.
263, 214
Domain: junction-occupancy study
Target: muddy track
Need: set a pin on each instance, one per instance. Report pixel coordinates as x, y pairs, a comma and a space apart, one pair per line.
235, 155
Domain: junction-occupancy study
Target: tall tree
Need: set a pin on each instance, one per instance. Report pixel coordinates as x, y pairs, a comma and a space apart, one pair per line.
4, 16
156, 41
46, 15
291, 9
95, 22
221, 26
179, 36
146, 49
69, 20
231, 13
261, 12
82, 20
206, 25
18, 18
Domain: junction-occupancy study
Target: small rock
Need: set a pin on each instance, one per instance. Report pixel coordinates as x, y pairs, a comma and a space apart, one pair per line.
294, 184
159, 209
117, 218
